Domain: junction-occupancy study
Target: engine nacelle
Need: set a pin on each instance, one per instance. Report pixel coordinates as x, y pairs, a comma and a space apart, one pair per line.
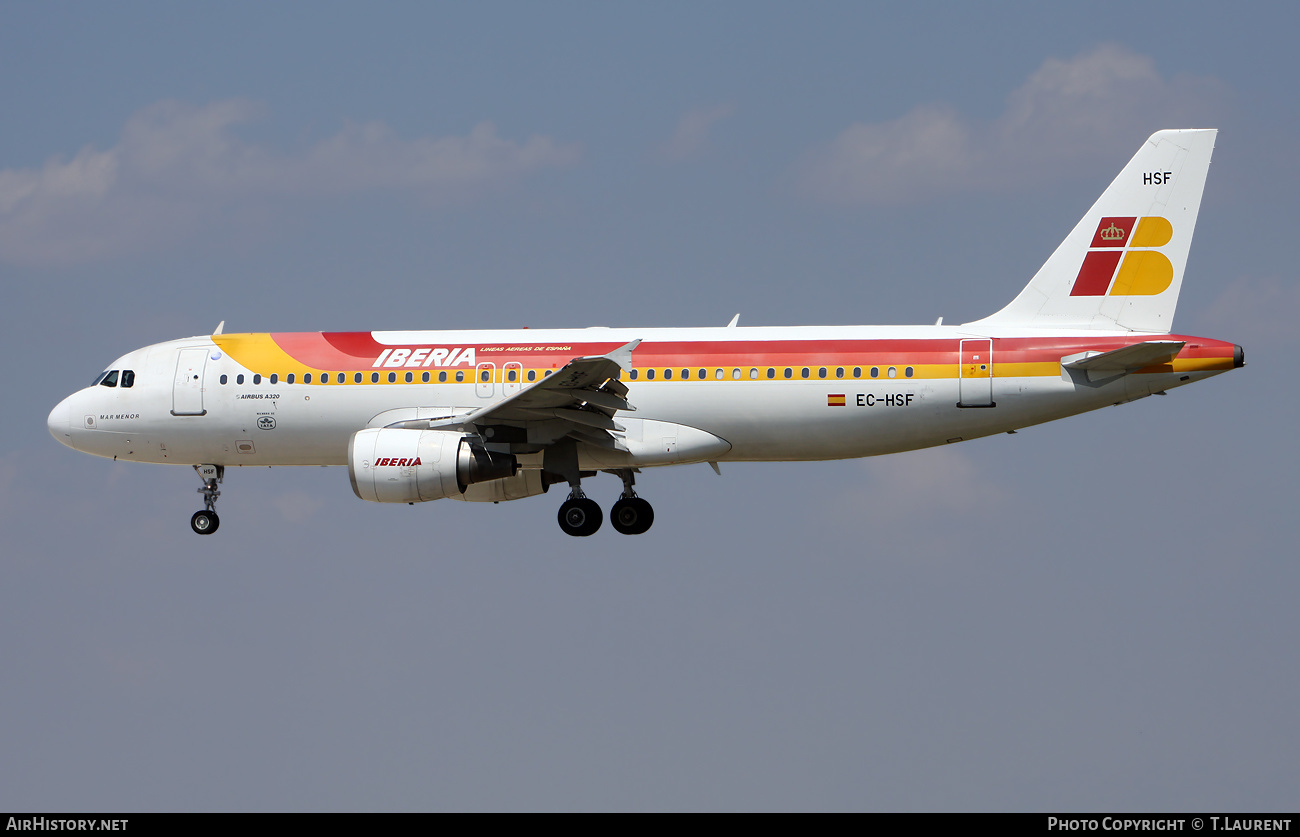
391, 465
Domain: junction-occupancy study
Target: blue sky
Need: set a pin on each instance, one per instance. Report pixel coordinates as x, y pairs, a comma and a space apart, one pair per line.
1091, 615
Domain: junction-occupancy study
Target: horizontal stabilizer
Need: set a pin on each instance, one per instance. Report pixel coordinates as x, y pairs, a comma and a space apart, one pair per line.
1099, 366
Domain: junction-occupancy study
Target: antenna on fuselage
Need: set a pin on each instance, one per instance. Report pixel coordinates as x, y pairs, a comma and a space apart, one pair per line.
219, 327
733, 322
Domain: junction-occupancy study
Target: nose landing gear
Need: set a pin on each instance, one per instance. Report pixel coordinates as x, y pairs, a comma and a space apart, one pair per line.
205, 522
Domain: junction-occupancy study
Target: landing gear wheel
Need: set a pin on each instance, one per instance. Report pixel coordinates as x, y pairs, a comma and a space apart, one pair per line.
580, 517
204, 522
631, 515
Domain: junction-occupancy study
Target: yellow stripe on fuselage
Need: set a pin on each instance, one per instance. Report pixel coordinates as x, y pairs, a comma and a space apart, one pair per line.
259, 353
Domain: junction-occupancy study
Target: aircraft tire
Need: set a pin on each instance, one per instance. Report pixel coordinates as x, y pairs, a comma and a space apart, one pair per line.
631, 516
580, 517
204, 522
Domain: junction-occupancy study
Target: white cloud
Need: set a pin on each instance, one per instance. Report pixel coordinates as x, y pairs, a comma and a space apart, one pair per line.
297, 506
176, 165
1259, 310
921, 486
927, 504
1095, 107
692, 133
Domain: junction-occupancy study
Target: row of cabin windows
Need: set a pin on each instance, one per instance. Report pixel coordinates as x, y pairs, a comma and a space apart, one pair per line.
459, 376
112, 379
788, 372
512, 375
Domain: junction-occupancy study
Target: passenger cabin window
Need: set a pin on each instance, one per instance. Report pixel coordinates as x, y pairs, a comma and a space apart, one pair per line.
392, 377
239, 379
128, 378
224, 378
109, 380
631, 376
257, 378
306, 378
668, 374
532, 374
442, 377
342, 377
410, 376
460, 376
275, 378
649, 374
289, 378
356, 379
424, 377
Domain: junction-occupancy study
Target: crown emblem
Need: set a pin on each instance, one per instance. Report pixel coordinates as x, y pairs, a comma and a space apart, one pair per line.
1112, 233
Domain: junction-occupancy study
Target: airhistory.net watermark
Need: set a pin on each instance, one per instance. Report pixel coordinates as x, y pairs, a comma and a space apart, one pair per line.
62, 824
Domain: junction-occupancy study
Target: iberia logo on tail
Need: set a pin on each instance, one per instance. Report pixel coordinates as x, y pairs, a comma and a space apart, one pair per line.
1123, 250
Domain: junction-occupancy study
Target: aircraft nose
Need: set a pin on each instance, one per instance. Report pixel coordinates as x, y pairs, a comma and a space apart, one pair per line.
60, 422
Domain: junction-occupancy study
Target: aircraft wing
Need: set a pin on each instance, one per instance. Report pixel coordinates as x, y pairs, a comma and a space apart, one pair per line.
578, 401
1125, 360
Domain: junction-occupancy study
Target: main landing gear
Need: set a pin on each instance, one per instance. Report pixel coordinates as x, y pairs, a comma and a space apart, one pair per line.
206, 522
580, 516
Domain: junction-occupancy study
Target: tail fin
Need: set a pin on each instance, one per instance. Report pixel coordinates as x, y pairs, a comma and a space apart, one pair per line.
1122, 266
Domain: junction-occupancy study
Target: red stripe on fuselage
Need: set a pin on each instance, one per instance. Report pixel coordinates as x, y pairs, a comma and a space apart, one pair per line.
348, 350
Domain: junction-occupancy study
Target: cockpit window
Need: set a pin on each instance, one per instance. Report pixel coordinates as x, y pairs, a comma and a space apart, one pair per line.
128, 377
109, 380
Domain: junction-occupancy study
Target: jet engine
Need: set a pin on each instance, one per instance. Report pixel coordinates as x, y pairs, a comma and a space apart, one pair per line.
392, 465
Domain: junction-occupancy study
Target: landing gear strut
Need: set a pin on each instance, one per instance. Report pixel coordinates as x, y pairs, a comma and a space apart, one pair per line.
630, 514
206, 522
579, 516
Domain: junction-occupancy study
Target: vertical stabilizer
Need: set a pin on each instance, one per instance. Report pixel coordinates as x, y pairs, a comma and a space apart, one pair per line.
1122, 266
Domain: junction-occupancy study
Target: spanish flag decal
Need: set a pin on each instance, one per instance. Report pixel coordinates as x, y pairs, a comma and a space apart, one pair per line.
835, 400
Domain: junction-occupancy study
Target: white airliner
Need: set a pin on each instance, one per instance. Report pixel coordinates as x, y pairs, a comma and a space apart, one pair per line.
501, 415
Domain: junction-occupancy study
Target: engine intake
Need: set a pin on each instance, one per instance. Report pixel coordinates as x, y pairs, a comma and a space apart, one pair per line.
392, 465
